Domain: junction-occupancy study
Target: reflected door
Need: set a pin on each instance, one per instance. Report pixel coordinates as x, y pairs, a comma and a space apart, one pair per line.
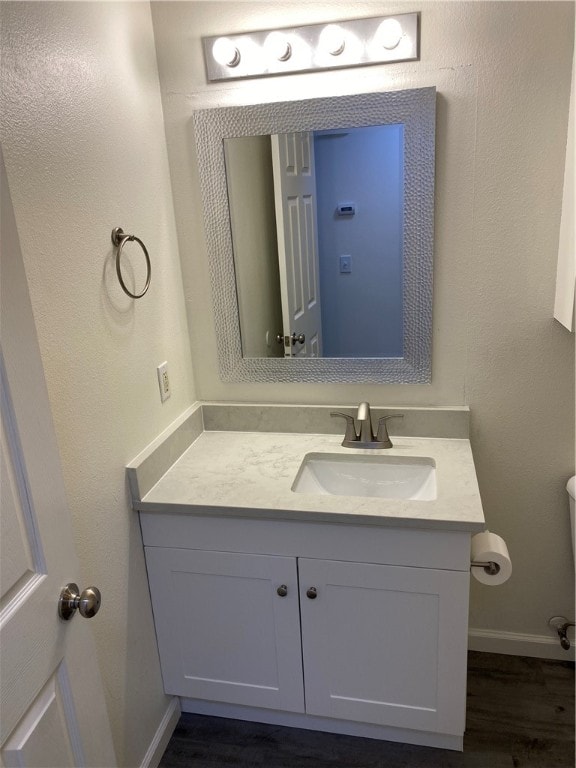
295, 204
52, 701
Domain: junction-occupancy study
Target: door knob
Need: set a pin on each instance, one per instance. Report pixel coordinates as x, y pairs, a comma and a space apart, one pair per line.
301, 338
282, 590
71, 600
312, 593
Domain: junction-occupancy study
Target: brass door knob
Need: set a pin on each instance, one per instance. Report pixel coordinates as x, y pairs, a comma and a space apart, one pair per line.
71, 600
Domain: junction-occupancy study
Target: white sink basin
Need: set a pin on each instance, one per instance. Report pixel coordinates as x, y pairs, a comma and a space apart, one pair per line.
385, 477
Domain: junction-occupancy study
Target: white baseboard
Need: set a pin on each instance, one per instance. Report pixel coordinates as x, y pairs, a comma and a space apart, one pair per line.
162, 736
326, 724
515, 644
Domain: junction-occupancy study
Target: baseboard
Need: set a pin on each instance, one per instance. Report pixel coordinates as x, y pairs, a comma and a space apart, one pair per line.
162, 736
326, 724
515, 644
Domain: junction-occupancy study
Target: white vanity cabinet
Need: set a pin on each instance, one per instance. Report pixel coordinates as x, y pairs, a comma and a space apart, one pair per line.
344, 624
381, 644
224, 633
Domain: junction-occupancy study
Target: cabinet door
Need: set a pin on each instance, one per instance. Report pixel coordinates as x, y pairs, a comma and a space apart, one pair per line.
385, 644
224, 633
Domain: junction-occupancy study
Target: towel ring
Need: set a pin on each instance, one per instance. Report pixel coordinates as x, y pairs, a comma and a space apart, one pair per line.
119, 238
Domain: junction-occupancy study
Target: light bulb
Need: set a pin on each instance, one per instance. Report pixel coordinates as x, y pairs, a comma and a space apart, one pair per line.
389, 34
332, 40
225, 52
277, 46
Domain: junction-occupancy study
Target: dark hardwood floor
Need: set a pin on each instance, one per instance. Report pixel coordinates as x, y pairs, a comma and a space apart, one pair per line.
520, 715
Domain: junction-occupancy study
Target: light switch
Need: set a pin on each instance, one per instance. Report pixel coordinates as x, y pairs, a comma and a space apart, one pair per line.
345, 265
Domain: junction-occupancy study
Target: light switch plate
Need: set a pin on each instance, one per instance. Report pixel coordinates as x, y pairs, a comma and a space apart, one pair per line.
345, 265
163, 381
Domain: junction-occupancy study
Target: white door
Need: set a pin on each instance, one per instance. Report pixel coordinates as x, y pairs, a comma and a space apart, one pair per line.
385, 644
52, 702
295, 203
228, 626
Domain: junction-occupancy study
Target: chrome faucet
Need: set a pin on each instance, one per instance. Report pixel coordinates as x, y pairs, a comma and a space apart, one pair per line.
364, 419
364, 437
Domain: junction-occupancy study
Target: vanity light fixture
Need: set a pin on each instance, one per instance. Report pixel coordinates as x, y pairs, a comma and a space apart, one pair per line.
225, 52
313, 47
332, 40
277, 46
389, 34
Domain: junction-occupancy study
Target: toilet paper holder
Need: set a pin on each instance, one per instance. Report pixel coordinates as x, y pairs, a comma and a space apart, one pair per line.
489, 566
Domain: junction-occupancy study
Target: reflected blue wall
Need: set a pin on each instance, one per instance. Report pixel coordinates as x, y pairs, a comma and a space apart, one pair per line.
361, 311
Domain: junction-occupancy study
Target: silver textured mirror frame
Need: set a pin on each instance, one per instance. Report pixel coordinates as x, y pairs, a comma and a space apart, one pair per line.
416, 110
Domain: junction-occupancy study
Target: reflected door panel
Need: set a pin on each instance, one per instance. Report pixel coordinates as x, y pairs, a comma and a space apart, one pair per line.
294, 196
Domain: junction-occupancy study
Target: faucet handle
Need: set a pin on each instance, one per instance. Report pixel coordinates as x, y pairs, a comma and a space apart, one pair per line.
350, 435
382, 435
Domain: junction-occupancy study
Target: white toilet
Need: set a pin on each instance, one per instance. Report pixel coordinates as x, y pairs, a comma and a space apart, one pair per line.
571, 488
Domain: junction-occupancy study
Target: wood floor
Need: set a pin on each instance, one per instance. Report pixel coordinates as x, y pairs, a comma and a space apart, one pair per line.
520, 715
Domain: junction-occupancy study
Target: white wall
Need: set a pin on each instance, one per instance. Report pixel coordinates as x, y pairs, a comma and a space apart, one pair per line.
503, 76
85, 151
253, 224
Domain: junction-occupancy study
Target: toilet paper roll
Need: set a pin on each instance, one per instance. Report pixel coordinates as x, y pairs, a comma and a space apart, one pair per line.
489, 547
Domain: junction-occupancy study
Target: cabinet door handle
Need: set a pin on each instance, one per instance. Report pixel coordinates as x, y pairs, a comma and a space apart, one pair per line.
312, 593
282, 590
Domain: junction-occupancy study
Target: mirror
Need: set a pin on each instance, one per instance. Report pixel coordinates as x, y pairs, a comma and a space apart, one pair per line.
318, 241
319, 223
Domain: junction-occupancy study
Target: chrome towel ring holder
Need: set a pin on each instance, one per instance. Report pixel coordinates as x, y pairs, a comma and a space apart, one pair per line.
119, 239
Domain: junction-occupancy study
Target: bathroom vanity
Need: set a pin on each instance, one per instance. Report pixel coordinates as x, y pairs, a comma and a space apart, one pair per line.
313, 609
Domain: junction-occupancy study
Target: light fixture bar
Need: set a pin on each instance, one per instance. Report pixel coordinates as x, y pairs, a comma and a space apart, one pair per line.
313, 47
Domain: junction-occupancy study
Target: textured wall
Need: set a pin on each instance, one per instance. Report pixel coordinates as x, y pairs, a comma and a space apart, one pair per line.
85, 151
503, 75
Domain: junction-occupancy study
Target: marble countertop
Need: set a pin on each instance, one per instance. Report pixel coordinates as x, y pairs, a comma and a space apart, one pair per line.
250, 474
